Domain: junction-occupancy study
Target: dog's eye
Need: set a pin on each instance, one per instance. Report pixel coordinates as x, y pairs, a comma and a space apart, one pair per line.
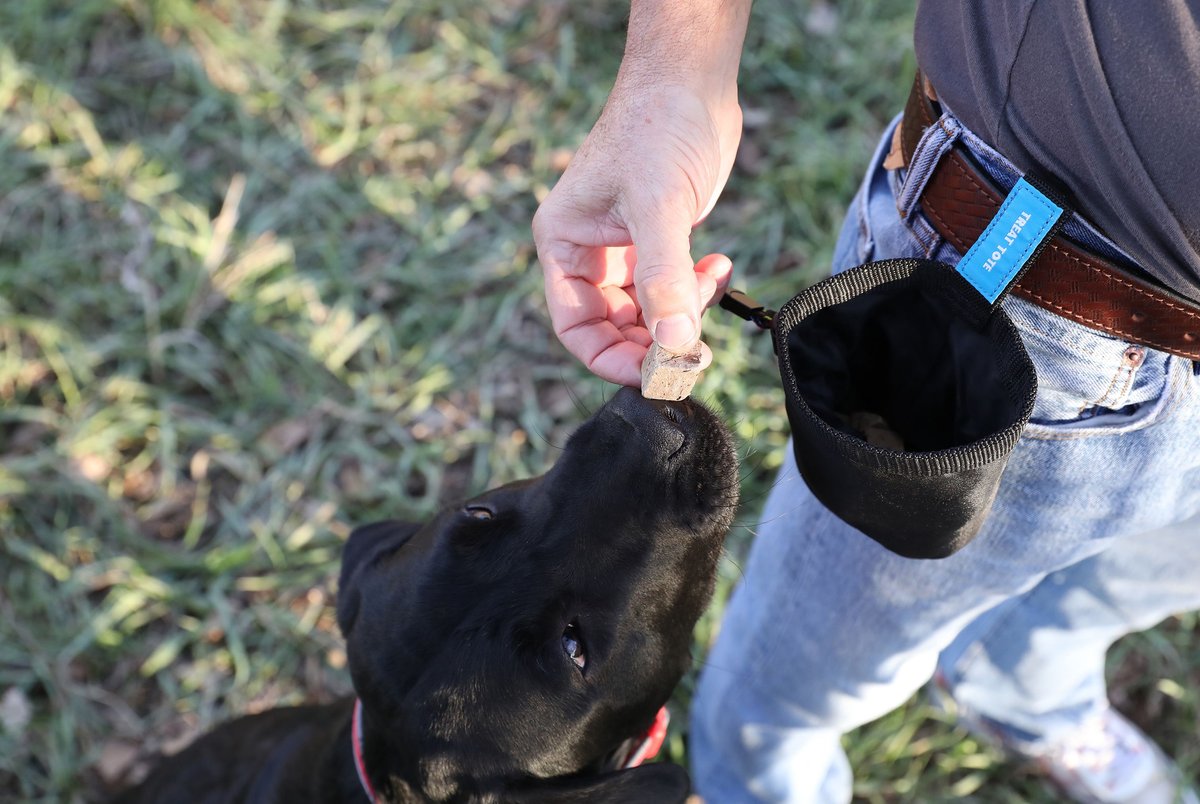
479, 512
572, 644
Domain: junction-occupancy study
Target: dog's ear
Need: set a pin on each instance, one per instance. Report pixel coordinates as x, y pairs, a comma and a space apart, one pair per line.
659, 783
365, 546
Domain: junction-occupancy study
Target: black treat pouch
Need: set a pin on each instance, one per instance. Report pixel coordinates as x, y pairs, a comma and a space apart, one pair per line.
907, 385
907, 391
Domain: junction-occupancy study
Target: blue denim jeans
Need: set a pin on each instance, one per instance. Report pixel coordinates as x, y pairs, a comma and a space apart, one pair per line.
1094, 533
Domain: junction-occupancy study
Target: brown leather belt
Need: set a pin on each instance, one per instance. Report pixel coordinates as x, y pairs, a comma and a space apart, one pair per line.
960, 199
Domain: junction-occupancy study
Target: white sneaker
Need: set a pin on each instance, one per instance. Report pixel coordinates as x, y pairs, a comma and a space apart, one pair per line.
1108, 760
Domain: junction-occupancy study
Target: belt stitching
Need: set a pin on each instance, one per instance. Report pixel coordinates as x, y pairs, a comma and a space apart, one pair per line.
1069, 313
1064, 254
926, 122
1107, 327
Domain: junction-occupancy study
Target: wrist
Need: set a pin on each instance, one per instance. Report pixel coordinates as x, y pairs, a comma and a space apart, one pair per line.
695, 45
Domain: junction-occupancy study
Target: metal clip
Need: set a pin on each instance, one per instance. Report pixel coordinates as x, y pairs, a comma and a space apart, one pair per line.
741, 305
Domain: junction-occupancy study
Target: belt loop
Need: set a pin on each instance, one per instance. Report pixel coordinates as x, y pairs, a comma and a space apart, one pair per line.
937, 140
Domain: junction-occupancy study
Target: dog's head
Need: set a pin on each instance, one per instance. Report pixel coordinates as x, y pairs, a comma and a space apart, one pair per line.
504, 650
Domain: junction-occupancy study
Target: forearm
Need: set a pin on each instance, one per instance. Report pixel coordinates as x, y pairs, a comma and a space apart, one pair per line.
692, 43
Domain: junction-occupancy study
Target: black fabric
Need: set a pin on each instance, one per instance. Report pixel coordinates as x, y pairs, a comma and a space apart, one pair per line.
910, 342
1105, 96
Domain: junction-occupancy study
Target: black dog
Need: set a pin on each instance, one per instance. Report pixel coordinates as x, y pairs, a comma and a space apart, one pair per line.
509, 649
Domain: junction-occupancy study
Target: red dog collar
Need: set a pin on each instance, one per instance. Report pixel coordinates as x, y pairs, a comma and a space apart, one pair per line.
356, 745
650, 745
648, 748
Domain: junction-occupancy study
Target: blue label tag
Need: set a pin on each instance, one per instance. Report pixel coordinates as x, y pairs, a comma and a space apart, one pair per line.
1023, 221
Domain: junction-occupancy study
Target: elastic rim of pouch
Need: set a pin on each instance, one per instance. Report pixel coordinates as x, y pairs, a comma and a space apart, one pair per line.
847, 285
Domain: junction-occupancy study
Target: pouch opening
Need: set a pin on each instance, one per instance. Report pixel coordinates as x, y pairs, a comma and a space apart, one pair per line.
901, 352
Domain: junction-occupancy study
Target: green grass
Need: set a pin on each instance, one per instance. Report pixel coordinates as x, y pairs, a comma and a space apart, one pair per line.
266, 273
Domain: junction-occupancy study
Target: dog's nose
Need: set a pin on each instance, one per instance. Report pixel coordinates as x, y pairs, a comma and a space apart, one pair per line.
661, 424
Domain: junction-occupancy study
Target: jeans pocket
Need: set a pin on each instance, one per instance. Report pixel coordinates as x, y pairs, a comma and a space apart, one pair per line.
1089, 384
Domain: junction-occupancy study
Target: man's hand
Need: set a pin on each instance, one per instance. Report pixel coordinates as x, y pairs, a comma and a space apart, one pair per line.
613, 236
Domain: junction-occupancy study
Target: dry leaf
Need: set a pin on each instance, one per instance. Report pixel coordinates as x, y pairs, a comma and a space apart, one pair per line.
289, 434
116, 759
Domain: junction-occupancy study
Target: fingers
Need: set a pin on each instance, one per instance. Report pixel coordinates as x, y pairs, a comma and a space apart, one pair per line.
605, 326
713, 274
620, 363
606, 297
707, 287
666, 283
599, 326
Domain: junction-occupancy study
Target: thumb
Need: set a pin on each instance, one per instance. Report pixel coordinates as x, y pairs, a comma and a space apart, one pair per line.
666, 286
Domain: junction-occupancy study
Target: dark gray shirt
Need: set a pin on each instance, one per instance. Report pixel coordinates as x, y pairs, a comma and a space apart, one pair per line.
1104, 95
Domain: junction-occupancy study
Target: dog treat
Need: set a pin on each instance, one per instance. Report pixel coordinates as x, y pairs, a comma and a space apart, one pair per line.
875, 430
668, 375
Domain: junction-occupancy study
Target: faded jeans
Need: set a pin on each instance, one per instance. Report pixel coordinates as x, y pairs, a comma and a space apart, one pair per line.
1094, 533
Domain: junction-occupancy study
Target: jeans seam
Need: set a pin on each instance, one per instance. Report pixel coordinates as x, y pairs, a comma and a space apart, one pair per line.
926, 246
1123, 394
1102, 401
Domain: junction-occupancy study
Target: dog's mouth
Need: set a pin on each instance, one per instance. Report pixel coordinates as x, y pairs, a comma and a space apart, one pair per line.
677, 454
661, 424
667, 428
